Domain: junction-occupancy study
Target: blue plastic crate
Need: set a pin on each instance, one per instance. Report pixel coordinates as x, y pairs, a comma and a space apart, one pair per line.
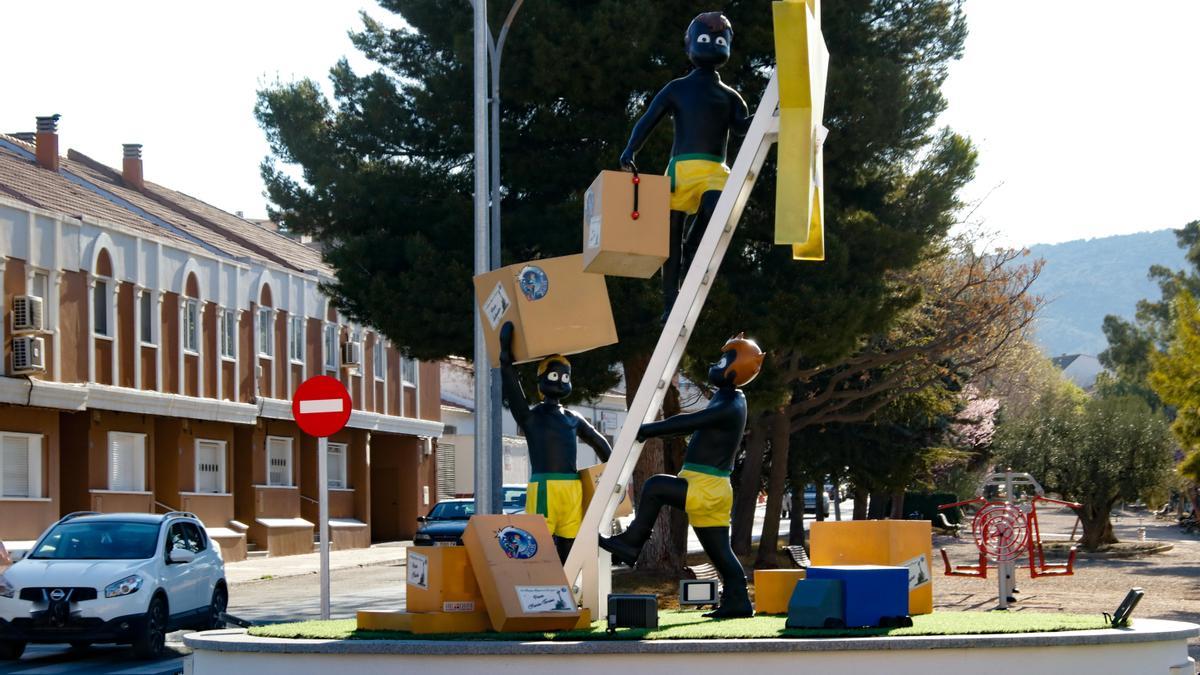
870, 593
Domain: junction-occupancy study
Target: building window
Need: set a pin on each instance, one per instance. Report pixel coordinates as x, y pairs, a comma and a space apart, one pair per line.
331, 346
191, 327
145, 308
266, 321
378, 357
210, 466
126, 462
279, 461
337, 465
408, 371
228, 333
21, 465
100, 308
296, 344
40, 283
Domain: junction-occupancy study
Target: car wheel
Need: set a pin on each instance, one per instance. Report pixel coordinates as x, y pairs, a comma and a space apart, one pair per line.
11, 650
216, 610
153, 639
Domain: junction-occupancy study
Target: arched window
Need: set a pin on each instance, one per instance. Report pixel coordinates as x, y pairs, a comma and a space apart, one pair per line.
191, 315
266, 323
102, 318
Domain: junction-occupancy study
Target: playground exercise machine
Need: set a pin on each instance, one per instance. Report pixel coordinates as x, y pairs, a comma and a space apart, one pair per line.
1005, 527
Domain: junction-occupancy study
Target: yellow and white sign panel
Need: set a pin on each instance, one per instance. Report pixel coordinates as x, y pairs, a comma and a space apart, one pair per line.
802, 64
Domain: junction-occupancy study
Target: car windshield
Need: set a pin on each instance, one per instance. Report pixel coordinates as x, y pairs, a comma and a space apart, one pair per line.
110, 540
452, 511
514, 498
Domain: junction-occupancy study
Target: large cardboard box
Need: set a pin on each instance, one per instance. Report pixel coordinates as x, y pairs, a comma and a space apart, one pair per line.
555, 307
590, 478
904, 543
440, 580
519, 575
616, 243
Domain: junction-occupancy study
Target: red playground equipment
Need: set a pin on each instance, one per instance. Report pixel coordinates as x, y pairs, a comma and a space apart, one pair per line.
1005, 528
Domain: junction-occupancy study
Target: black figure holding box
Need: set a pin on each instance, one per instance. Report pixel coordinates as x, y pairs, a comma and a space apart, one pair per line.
705, 111
702, 488
550, 432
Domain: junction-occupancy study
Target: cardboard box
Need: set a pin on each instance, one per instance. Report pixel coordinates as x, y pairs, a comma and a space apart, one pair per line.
519, 575
440, 580
904, 543
773, 590
555, 307
590, 478
614, 242
424, 622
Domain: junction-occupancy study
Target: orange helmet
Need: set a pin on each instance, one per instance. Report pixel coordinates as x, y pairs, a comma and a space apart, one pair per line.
748, 359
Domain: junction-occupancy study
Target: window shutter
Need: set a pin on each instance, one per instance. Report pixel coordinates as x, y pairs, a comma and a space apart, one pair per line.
209, 461
117, 459
15, 463
445, 471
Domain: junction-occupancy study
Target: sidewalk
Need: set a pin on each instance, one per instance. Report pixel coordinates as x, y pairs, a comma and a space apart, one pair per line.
261, 569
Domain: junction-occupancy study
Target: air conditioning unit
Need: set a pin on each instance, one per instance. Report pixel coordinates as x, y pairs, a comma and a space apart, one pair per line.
28, 354
27, 314
351, 354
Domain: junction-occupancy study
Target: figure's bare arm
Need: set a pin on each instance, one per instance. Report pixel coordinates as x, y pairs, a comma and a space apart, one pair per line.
514, 395
740, 123
658, 108
588, 434
683, 423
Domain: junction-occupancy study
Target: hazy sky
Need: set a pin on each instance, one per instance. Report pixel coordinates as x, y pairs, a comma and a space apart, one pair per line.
1086, 113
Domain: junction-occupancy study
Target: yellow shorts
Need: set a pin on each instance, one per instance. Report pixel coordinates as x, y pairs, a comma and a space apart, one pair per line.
709, 496
558, 497
692, 176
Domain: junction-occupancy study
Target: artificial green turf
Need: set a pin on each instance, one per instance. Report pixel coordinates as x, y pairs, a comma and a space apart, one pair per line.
679, 625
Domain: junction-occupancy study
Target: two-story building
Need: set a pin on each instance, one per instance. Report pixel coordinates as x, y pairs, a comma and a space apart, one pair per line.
151, 344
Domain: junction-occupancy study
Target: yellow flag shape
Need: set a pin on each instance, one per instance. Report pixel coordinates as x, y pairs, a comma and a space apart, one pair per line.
802, 63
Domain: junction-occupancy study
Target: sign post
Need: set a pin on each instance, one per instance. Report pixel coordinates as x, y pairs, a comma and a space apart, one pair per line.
321, 407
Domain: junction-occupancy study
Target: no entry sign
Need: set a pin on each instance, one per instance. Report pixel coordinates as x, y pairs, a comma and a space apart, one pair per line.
321, 406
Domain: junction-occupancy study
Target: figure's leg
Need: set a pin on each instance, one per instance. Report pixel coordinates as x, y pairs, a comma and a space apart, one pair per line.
696, 228
670, 269
661, 490
563, 546
735, 599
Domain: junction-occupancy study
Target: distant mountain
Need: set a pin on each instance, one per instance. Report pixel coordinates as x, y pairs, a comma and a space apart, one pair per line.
1086, 279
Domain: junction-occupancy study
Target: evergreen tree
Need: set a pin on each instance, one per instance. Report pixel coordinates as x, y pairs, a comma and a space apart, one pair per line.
385, 183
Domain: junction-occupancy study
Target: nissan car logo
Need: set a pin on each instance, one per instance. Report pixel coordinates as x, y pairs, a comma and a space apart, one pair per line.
57, 594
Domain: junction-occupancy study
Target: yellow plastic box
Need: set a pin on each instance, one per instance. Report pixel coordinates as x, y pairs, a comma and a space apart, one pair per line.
773, 589
903, 543
440, 579
424, 622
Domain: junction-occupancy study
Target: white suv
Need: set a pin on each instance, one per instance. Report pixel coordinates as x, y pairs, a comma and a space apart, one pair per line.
123, 577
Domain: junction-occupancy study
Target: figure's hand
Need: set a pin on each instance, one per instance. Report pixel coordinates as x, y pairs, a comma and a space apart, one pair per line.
627, 159
641, 434
506, 337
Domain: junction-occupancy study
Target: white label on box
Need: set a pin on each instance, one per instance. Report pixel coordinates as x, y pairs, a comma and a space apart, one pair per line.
465, 606
594, 231
496, 305
535, 599
918, 572
418, 571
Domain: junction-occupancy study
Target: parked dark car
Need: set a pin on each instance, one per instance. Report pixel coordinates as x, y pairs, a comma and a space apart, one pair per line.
447, 520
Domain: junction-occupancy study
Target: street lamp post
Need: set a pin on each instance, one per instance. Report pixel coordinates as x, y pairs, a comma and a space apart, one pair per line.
483, 411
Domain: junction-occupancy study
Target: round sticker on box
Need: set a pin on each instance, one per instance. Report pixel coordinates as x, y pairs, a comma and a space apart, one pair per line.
533, 282
517, 543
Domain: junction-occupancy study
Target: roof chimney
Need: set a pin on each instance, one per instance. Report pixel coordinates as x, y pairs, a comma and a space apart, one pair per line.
131, 166
47, 142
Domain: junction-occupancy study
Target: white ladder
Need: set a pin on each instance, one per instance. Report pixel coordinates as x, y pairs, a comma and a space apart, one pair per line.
588, 566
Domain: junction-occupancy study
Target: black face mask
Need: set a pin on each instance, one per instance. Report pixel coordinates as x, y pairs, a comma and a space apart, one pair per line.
555, 383
707, 48
718, 373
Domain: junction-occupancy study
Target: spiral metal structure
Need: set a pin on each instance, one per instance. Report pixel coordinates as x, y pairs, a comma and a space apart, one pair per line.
1001, 531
